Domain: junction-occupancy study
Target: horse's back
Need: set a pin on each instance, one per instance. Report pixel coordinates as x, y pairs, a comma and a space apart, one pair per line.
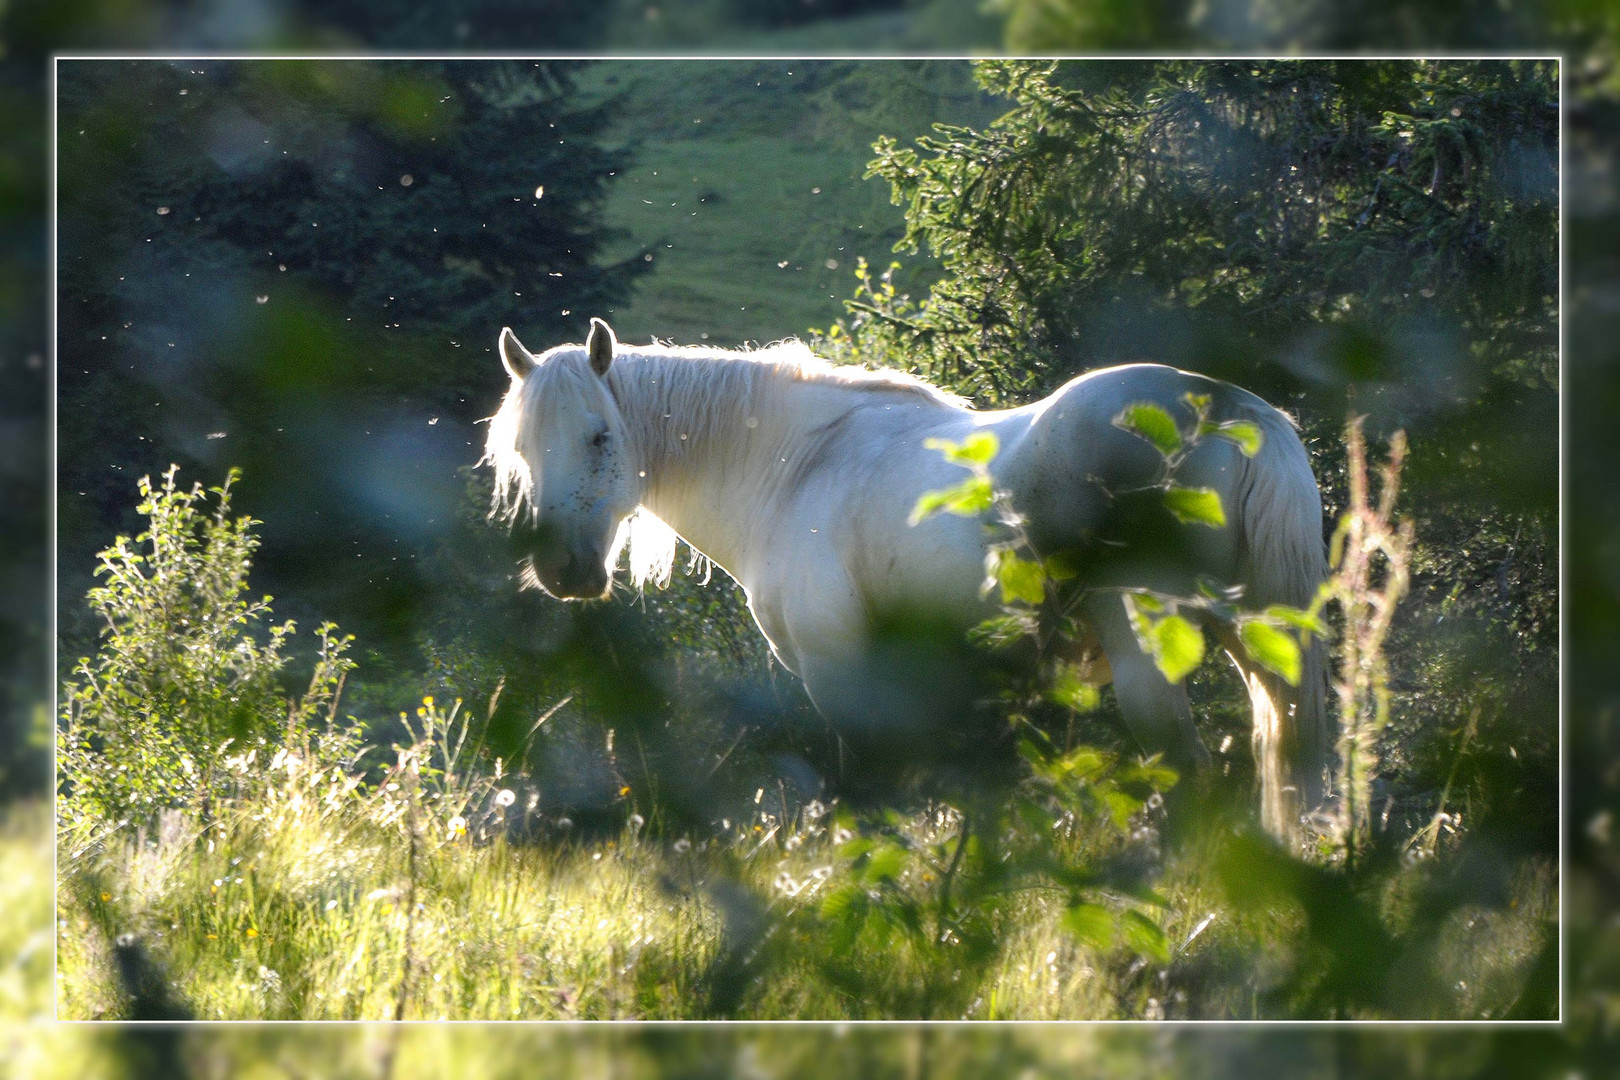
1081, 478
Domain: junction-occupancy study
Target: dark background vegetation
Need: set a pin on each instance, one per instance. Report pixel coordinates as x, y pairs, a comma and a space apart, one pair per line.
1584, 33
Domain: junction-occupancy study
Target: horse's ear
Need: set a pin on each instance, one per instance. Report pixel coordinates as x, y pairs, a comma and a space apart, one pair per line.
600, 346
518, 360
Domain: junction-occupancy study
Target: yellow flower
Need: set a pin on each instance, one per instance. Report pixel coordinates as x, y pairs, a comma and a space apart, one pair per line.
213, 937
252, 931
106, 896
428, 701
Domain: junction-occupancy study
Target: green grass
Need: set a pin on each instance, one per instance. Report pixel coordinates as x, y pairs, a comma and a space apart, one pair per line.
304, 902
747, 186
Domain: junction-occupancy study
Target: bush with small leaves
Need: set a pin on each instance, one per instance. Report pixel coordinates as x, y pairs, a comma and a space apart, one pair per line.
189, 669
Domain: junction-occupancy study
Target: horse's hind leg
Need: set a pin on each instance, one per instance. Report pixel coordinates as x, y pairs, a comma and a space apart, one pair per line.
1154, 709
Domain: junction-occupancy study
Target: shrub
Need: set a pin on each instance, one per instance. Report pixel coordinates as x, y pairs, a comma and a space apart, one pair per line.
188, 669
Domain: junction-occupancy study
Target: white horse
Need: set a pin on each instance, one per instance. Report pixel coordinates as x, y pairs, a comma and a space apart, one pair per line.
798, 478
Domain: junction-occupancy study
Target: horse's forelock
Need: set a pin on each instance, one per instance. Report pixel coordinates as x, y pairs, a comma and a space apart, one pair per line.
514, 485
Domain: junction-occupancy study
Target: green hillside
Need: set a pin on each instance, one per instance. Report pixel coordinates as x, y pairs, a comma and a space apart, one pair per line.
747, 187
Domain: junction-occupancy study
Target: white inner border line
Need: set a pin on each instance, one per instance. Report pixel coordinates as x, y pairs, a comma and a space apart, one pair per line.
53, 269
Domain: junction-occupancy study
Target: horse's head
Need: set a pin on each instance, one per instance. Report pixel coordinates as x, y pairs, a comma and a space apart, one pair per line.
564, 477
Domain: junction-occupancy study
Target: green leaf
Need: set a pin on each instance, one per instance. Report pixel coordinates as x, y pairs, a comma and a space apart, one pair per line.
1145, 937
1147, 602
1297, 618
978, 448
1151, 423
1121, 806
1072, 692
1084, 762
855, 848
971, 497
1035, 817
1195, 506
843, 902
1063, 566
1003, 630
1246, 435
886, 864
1021, 580
1274, 649
1176, 645
1158, 776
1092, 924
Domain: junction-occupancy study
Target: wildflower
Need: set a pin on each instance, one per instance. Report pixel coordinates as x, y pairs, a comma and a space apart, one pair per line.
252, 931
106, 896
428, 701
682, 846
505, 797
457, 827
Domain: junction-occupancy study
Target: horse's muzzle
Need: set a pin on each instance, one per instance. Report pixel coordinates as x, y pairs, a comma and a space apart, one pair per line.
572, 578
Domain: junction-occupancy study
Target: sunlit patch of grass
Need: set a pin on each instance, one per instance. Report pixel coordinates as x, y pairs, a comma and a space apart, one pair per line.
316, 918
317, 895
312, 912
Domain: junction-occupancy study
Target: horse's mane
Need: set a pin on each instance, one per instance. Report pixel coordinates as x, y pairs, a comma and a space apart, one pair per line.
704, 386
792, 359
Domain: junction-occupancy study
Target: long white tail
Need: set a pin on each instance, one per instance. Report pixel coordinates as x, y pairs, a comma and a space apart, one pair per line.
1281, 515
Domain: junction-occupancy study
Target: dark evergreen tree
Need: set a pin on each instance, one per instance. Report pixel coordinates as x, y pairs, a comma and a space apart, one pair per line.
300, 268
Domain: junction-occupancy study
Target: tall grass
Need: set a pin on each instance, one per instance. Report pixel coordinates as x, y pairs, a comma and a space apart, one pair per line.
305, 902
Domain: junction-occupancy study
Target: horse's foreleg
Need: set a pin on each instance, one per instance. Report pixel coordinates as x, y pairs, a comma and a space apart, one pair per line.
1154, 709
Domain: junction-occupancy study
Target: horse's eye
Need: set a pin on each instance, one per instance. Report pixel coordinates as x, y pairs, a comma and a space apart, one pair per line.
601, 438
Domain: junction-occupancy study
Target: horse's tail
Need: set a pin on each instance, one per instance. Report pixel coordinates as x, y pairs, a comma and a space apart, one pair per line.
1280, 510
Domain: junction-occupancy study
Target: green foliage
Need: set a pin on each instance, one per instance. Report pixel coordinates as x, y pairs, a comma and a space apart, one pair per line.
188, 668
1195, 506
1153, 424
970, 498
1272, 647
1225, 205
1090, 786
1176, 645
950, 893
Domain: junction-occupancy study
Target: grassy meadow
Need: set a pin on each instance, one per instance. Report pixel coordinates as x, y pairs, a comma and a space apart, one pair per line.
319, 896
748, 181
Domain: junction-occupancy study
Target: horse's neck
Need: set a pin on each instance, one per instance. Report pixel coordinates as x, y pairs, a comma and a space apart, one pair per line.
718, 446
